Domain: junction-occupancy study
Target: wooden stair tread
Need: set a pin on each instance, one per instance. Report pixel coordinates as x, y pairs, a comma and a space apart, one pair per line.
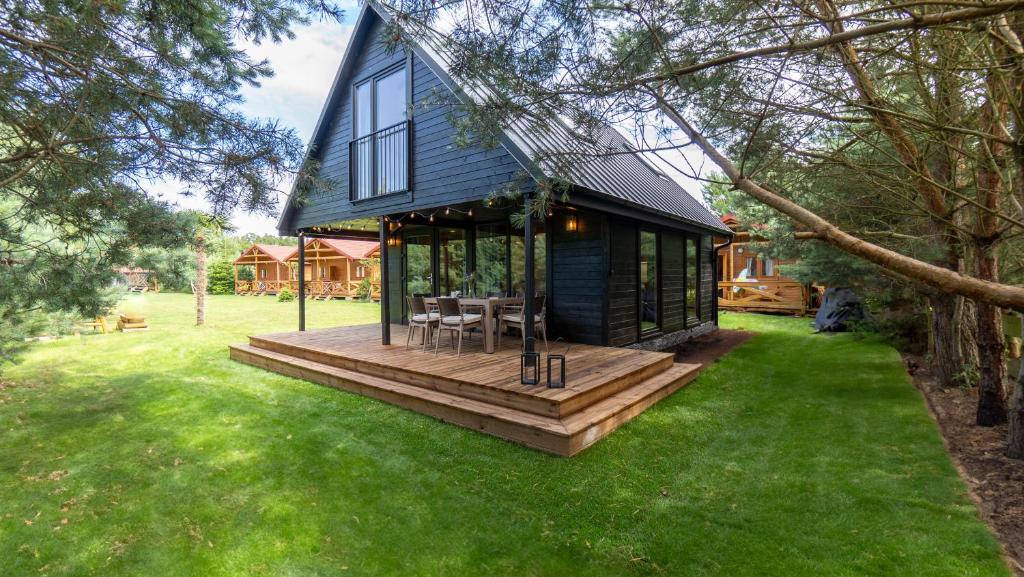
503, 413
562, 436
629, 397
594, 373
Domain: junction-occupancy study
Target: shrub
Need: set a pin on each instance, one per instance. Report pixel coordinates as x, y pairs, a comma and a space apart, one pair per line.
363, 292
285, 296
221, 278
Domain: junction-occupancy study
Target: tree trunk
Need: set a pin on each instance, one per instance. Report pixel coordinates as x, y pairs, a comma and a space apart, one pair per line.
1015, 437
943, 279
987, 238
969, 337
991, 370
945, 321
200, 280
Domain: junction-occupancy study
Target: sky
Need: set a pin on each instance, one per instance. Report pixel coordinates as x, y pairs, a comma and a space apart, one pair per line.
304, 68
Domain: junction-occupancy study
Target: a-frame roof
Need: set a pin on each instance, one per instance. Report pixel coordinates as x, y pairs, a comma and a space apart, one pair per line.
275, 252
610, 168
354, 249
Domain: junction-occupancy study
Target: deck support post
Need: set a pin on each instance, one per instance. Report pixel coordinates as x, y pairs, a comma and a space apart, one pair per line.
528, 311
302, 281
385, 300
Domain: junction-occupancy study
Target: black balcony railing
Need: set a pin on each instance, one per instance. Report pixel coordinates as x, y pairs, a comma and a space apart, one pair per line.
380, 162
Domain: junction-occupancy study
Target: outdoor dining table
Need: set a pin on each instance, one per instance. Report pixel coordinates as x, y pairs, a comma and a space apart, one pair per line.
488, 304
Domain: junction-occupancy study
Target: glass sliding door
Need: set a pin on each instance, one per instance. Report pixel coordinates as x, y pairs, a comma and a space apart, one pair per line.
492, 259
419, 264
649, 276
451, 256
692, 280
540, 253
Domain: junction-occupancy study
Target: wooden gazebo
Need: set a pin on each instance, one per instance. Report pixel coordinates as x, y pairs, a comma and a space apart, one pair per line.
271, 271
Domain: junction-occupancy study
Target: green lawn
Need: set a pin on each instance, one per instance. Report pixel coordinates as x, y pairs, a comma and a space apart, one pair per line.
153, 454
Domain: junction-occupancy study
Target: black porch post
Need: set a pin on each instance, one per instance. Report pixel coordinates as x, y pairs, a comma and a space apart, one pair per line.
385, 300
528, 263
302, 281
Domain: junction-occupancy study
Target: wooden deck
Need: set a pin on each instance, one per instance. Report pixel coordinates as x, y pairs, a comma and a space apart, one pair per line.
605, 386
769, 295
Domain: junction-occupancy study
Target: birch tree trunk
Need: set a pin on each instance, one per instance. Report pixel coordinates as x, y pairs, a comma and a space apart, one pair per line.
200, 279
1015, 437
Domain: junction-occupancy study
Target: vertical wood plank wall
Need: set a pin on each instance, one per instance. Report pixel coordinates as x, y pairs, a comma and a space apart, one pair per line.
623, 284
578, 278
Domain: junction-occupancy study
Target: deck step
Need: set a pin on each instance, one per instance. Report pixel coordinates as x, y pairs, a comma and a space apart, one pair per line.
561, 436
457, 382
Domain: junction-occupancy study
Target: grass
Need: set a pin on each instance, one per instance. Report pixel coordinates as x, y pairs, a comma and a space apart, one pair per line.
152, 453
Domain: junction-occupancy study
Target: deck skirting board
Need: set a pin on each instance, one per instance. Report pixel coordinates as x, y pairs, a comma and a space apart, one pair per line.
667, 341
562, 434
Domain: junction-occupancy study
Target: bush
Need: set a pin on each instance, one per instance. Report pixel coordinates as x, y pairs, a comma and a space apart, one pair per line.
363, 291
285, 296
221, 278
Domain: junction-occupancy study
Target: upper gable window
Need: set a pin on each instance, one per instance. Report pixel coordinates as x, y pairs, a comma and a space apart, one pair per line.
379, 152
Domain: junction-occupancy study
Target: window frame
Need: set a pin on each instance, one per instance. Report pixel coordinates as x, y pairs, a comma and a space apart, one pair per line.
372, 80
657, 329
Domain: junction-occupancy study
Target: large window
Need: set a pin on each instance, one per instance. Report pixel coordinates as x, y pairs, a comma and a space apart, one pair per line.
518, 267
419, 262
649, 313
452, 261
380, 149
692, 280
491, 259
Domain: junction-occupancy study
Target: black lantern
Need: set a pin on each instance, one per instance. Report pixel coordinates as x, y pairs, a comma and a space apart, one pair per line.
559, 381
557, 363
529, 369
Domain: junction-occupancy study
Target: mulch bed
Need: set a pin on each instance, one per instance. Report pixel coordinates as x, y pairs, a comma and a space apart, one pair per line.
996, 482
707, 349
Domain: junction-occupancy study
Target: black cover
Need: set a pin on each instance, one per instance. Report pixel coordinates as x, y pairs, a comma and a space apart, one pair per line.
840, 305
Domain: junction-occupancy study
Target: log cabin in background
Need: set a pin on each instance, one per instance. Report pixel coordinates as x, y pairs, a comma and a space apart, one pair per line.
334, 268
750, 280
339, 268
270, 268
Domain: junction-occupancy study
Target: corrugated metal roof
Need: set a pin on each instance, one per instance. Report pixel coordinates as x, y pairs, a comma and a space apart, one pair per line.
604, 168
610, 166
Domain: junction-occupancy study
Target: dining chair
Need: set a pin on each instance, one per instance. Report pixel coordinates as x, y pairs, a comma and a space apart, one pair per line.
454, 319
421, 319
516, 317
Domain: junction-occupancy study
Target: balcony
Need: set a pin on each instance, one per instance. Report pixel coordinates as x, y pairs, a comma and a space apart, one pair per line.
380, 162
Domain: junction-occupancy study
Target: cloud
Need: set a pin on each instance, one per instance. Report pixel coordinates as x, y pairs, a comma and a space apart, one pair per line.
304, 68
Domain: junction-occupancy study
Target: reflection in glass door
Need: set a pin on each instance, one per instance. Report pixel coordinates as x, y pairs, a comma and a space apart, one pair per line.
419, 278
452, 261
491, 259
518, 261
649, 290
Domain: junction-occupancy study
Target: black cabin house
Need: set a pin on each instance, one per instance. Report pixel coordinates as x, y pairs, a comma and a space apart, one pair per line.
627, 261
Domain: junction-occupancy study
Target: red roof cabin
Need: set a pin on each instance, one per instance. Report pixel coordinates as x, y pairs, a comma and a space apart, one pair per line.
271, 271
338, 268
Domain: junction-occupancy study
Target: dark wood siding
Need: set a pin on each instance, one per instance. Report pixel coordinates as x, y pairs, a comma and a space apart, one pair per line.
623, 284
707, 281
442, 173
577, 283
673, 281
